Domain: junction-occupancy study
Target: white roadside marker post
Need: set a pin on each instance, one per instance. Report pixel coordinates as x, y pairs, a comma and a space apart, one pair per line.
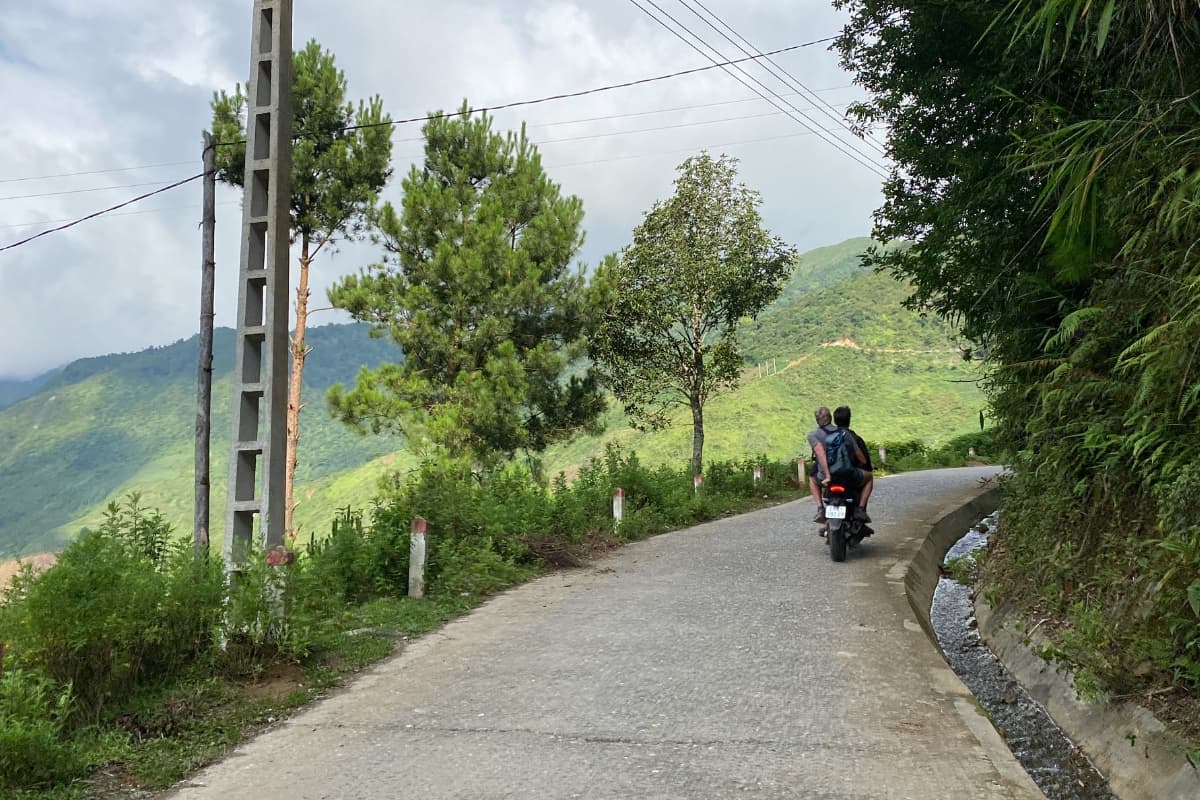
618, 506
416, 558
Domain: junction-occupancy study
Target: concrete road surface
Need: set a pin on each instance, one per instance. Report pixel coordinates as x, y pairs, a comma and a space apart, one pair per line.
729, 660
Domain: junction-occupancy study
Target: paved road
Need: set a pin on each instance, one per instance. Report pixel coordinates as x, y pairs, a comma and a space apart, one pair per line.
728, 660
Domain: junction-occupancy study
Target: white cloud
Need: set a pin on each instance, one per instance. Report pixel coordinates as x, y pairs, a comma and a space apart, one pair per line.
95, 84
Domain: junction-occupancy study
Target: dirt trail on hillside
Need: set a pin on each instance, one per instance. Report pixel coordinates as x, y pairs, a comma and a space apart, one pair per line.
853, 345
9, 568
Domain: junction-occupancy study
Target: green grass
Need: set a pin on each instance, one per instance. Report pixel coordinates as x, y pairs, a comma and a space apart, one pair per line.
170, 731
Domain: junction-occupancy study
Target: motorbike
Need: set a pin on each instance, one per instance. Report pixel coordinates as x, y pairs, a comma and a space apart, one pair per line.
843, 528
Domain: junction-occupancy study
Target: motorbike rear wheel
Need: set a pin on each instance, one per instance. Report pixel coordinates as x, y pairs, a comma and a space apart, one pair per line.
837, 540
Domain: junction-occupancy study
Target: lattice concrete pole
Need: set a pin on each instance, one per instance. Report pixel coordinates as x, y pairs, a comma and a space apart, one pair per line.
256, 465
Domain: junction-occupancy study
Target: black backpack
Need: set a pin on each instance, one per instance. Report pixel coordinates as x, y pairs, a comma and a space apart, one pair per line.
838, 456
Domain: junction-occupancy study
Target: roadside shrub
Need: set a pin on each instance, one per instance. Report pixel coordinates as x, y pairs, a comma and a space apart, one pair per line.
33, 713
471, 567
488, 530
105, 619
344, 567
291, 611
914, 454
145, 531
1177, 588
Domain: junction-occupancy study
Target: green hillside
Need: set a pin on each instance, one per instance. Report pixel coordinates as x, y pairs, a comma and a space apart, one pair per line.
13, 390
105, 426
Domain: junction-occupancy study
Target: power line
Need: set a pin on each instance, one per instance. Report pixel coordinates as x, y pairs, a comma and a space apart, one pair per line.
137, 199
161, 164
81, 191
663, 110
787, 78
677, 126
659, 128
570, 95
96, 171
563, 96
160, 210
648, 113
802, 119
681, 150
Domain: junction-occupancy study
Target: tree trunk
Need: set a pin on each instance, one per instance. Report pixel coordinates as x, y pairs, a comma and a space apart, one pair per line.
696, 400
697, 435
299, 353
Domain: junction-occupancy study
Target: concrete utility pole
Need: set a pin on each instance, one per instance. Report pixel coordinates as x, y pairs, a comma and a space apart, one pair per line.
260, 377
208, 268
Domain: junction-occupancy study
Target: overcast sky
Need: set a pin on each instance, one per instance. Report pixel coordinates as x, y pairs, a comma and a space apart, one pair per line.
94, 85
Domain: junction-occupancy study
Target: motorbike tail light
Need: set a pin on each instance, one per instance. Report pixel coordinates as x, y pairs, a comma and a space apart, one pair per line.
837, 489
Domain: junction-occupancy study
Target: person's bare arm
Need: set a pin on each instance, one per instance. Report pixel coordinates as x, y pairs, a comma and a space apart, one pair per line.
819, 450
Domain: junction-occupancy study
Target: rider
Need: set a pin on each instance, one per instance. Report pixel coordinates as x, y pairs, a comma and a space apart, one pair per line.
820, 468
858, 452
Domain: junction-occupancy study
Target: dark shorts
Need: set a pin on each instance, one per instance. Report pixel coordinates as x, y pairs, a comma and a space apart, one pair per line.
856, 481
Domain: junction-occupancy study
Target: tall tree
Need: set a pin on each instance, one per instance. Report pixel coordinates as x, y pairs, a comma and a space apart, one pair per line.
477, 289
337, 174
1047, 173
699, 263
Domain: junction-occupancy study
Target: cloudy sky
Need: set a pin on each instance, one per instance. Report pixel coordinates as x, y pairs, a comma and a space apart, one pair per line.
120, 89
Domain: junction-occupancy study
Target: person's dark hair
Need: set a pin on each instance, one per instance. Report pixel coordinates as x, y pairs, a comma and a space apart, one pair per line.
841, 416
822, 416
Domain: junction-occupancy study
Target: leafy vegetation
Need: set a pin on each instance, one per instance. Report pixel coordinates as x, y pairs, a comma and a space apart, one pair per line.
1047, 177
699, 263
479, 292
155, 664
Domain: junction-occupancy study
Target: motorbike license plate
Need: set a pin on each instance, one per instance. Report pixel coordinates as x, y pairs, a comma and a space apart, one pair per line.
835, 512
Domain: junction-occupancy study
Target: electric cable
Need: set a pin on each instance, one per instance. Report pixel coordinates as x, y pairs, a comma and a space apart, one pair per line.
570, 95
73, 223
81, 191
95, 171
681, 150
693, 124
802, 119
160, 210
787, 79
562, 96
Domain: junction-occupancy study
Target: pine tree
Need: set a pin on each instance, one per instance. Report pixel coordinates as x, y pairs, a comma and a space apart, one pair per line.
478, 290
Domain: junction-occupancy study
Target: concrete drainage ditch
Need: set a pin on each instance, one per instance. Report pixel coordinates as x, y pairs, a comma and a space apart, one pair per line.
1058, 767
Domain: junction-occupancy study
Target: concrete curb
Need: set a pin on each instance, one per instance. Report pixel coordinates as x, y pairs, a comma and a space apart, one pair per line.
1137, 754
1141, 760
925, 568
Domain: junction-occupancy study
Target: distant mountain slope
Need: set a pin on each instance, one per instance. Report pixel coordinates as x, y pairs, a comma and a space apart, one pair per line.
838, 335
13, 390
865, 308
104, 425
